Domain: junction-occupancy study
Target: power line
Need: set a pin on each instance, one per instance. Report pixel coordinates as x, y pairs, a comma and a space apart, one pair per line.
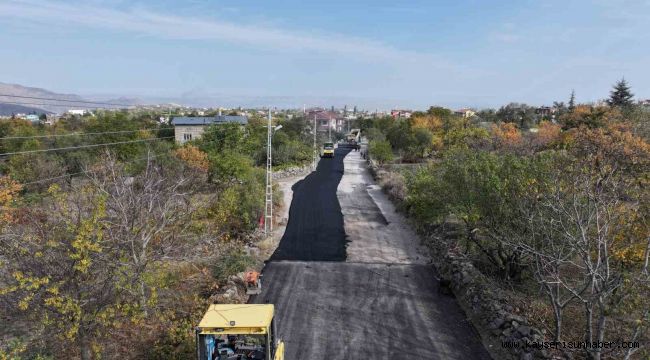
54, 105
79, 134
33, 104
82, 172
85, 146
65, 100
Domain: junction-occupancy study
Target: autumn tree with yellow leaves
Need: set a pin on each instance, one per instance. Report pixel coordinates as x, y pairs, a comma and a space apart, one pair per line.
8, 193
82, 263
61, 271
194, 157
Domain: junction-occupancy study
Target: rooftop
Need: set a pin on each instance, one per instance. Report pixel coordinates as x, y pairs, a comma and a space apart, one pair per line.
237, 316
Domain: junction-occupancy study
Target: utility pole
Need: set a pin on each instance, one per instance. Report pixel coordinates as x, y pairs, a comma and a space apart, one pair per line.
268, 210
315, 148
330, 128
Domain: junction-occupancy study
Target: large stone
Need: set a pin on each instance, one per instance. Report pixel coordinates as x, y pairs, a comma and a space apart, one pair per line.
496, 323
517, 318
515, 324
516, 334
524, 330
233, 291
526, 356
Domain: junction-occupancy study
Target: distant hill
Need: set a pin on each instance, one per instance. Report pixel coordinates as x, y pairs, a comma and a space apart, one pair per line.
55, 106
123, 101
10, 109
14, 89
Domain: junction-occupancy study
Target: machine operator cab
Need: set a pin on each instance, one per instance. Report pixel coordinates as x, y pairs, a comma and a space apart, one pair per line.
328, 150
238, 332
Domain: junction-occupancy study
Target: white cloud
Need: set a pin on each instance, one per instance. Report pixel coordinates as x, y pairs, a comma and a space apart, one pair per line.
159, 25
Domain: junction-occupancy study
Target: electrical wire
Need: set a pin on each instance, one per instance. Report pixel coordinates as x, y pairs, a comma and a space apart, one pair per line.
82, 172
84, 146
33, 105
79, 134
65, 100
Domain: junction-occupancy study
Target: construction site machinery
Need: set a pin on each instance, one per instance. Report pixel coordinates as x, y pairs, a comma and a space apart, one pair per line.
238, 332
328, 150
253, 282
354, 137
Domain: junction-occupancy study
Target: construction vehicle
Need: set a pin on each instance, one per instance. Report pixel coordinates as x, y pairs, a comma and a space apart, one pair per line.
238, 332
328, 150
353, 137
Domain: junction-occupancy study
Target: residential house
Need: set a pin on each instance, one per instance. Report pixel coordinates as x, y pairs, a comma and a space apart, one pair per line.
51, 119
32, 117
466, 113
191, 128
397, 114
326, 120
544, 111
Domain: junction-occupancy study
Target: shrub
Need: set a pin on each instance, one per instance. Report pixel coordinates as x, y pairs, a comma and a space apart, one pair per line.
229, 167
194, 157
380, 151
393, 184
230, 264
238, 207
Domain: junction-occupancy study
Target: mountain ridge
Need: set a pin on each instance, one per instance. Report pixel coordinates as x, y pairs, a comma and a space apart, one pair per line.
22, 95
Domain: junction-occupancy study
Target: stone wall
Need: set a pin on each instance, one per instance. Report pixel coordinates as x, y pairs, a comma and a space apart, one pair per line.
486, 307
484, 304
290, 172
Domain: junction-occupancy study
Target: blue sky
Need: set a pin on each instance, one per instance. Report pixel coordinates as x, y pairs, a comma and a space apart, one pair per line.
375, 53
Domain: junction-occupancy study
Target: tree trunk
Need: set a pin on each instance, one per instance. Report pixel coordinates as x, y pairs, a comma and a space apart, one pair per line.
143, 298
84, 344
647, 257
600, 334
558, 321
589, 328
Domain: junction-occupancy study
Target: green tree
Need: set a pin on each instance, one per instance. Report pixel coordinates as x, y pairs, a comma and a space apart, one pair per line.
400, 136
440, 112
380, 151
422, 141
488, 115
229, 167
621, 96
572, 101
374, 134
218, 138
488, 192
520, 114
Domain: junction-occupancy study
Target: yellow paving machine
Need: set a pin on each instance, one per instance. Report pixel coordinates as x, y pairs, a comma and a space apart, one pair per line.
328, 150
238, 332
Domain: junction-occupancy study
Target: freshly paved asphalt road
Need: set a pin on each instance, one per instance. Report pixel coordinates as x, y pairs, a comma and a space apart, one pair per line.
315, 229
330, 309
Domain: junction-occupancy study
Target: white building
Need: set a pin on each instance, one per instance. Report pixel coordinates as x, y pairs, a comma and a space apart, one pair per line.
80, 112
191, 128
